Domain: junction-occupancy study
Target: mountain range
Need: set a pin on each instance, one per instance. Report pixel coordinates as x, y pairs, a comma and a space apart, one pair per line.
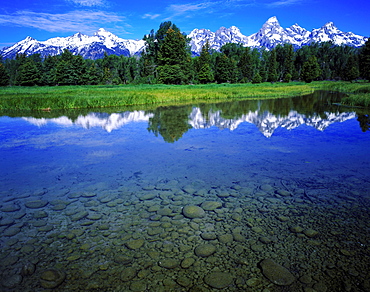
270, 35
265, 121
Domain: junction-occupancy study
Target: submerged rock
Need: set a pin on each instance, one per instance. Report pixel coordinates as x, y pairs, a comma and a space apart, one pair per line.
10, 208
135, 244
193, 212
52, 278
35, 204
169, 263
310, 232
12, 281
218, 280
28, 269
205, 250
128, 274
276, 273
211, 205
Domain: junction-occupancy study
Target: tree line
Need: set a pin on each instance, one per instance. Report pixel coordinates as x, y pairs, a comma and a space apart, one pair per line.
167, 59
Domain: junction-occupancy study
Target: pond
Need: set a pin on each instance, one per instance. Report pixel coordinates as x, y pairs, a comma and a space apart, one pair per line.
261, 195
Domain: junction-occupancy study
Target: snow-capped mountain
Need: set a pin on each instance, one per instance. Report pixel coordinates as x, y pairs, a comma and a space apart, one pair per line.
90, 47
265, 121
108, 122
270, 35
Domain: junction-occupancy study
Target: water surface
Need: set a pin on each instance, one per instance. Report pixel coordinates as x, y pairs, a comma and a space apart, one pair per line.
99, 197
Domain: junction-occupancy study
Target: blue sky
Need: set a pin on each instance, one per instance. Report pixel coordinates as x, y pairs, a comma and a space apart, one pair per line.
42, 19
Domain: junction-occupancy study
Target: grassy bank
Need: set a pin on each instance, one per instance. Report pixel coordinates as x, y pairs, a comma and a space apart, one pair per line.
358, 93
75, 97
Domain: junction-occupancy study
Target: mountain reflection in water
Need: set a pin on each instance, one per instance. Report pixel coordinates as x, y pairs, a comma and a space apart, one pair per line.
268, 115
114, 208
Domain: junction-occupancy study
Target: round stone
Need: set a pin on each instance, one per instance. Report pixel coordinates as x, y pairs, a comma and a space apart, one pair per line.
135, 244
283, 193
184, 281
187, 262
59, 207
39, 223
265, 240
310, 232
225, 238
169, 263
266, 188
10, 208
52, 278
6, 221
211, 205
11, 231
28, 269
128, 274
193, 212
35, 204
218, 280
40, 214
12, 281
205, 250
94, 216
296, 229
148, 197
276, 273
138, 286
208, 235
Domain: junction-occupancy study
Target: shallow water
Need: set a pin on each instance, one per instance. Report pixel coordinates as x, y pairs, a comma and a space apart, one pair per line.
99, 197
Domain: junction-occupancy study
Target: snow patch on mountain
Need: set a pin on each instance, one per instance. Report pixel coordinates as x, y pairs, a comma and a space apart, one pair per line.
92, 47
265, 121
270, 35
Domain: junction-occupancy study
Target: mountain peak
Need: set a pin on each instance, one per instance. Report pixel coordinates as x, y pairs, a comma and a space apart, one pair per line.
272, 20
269, 36
329, 24
101, 30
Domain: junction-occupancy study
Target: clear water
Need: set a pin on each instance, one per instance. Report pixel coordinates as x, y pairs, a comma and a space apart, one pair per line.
99, 197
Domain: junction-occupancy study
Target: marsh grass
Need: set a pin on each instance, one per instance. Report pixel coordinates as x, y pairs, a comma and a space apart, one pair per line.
78, 97
357, 93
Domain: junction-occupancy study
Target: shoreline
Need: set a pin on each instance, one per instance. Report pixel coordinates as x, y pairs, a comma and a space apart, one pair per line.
98, 96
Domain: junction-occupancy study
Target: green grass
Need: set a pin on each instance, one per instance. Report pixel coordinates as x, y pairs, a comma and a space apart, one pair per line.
357, 93
78, 97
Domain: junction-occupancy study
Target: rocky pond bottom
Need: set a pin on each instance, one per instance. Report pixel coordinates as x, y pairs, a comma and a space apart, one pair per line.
180, 235
237, 201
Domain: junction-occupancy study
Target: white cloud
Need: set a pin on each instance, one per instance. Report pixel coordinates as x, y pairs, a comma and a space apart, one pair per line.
89, 3
79, 20
283, 3
181, 9
191, 9
151, 16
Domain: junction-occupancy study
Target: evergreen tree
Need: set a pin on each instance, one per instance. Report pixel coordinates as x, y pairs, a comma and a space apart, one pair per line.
225, 69
351, 71
310, 70
365, 60
110, 69
174, 59
233, 51
49, 70
257, 78
28, 73
272, 75
245, 65
4, 76
205, 74
93, 76
288, 63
